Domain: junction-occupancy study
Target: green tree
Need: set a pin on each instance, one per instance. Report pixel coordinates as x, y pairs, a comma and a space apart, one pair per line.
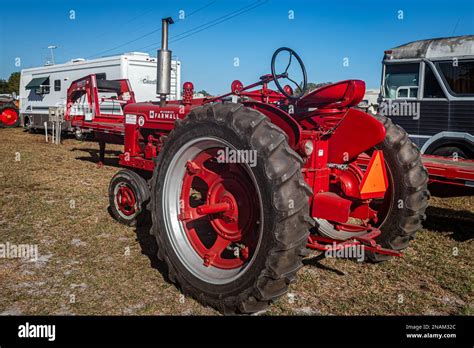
11, 85
311, 86
204, 93
3, 86
14, 83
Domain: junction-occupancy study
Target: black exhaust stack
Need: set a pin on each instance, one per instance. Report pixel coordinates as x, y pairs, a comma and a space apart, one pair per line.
163, 79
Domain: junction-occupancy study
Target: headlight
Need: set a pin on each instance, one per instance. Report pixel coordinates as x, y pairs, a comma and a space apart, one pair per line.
308, 147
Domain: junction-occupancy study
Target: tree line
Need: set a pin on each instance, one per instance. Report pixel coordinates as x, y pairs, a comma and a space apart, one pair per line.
11, 85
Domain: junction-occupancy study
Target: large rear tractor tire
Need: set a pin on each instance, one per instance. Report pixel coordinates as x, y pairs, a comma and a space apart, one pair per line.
232, 232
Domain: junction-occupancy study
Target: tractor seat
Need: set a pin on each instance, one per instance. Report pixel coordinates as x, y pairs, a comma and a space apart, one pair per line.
337, 95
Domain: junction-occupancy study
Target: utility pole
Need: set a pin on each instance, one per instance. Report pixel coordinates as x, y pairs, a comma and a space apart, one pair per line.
51, 48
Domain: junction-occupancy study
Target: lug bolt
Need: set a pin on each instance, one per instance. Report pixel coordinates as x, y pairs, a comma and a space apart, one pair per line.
192, 167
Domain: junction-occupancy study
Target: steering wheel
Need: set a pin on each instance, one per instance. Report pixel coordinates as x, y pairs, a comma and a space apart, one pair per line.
301, 87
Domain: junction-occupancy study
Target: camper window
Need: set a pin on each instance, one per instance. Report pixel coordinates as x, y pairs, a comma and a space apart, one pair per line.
401, 81
459, 76
101, 76
43, 89
57, 85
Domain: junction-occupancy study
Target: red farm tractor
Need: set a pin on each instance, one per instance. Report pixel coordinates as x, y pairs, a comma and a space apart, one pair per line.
240, 185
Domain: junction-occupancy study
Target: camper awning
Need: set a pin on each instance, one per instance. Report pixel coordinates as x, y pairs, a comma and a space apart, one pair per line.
37, 82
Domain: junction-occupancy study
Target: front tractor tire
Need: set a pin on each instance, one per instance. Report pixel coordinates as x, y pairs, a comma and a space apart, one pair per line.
128, 196
407, 201
233, 233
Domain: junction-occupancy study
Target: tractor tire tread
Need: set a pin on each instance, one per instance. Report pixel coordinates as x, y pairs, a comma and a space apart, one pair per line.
413, 182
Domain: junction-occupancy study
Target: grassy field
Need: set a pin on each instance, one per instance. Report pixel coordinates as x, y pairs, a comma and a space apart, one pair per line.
56, 197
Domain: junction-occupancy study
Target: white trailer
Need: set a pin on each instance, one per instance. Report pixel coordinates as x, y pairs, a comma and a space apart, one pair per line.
370, 101
46, 87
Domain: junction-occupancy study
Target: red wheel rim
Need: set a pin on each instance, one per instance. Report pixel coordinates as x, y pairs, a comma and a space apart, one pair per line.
9, 117
218, 211
125, 200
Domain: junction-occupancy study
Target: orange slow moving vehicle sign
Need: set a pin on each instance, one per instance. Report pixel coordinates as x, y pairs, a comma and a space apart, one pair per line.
375, 182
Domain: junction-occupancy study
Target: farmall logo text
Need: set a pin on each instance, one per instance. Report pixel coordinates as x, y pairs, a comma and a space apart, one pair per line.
163, 115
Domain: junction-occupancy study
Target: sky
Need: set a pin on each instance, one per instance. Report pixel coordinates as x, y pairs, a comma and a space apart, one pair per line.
336, 39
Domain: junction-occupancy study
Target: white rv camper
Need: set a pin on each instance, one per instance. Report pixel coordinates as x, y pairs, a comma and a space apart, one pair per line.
46, 87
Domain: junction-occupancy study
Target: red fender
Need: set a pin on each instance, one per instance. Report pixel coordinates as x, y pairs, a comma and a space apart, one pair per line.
280, 119
356, 133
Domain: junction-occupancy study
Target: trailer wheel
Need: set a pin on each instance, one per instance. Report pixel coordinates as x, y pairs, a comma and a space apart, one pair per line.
9, 117
29, 125
452, 152
128, 194
405, 211
79, 134
233, 233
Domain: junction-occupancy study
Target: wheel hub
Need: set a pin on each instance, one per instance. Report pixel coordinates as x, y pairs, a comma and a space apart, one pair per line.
226, 224
225, 207
126, 200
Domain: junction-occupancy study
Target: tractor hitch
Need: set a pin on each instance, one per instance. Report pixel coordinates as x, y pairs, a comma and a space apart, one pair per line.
366, 241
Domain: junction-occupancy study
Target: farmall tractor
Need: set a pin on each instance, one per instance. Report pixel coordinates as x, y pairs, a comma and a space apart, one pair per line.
233, 229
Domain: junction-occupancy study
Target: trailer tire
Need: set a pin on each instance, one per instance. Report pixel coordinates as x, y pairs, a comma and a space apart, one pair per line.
128, 195
26, 122
9, 116
277, 180
410, 179
453, 151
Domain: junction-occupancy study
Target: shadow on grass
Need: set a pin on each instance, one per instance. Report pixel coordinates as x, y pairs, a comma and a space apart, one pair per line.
148, 245
315, 262
94, 156
150, 249
458, 222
